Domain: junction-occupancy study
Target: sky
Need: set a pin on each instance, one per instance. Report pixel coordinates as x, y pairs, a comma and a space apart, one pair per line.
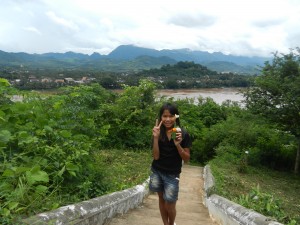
237, 27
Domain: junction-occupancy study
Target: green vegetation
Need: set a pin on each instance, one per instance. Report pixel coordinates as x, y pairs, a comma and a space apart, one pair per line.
127, 168
253, 164
272, 193
256, 149
180, 75
192, 75
276, 95
129, 58
51, 149
87, 141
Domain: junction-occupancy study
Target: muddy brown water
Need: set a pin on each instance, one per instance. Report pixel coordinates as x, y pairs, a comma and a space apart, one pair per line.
219, 95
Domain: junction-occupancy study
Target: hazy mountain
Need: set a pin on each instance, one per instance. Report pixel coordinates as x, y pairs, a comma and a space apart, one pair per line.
138, 64
96, 55
67, 55
215, 61
129, 57
222, 66
130, 52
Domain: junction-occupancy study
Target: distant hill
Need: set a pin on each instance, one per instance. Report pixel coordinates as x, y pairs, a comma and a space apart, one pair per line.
192, 75
132, 58
222, 66
215, 61
181, 70
130, 52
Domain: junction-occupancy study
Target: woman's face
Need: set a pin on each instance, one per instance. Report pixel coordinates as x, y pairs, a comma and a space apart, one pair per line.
168, 119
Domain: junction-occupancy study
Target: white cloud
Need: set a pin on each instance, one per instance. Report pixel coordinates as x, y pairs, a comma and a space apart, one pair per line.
61, 21
32, 29
189, 20
256, 27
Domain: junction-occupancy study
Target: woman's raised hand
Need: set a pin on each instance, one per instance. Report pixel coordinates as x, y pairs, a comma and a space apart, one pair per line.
178, 138
156, 129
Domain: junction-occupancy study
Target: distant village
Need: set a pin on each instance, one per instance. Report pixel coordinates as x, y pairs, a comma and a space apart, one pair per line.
67, 80
175, 77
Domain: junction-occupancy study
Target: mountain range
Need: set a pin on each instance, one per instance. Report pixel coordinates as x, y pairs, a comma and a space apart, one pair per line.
133, 58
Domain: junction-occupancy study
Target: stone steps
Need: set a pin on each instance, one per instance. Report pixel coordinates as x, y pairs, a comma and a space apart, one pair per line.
190, 208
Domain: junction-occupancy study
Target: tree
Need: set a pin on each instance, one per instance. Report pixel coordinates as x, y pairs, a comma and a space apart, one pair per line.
4, 99
276, 94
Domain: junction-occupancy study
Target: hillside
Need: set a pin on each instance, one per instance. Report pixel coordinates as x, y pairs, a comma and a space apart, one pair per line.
192, 75
131, 58
181, 70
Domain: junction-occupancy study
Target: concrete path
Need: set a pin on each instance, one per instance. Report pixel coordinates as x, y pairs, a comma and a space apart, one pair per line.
190, 209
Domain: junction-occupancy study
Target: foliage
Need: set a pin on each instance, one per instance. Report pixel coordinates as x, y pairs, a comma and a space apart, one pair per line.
198, 118
180, 75
210, 112
276, 94
192, 75
126, 168
39, 158
130, 119
52, 146
47, 143
265, 144
183, 69
273, 194
265, 203
4, 91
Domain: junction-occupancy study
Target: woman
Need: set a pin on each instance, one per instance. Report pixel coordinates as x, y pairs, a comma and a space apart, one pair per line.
170, 147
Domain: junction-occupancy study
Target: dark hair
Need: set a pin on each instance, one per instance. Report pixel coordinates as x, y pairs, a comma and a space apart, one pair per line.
172, 108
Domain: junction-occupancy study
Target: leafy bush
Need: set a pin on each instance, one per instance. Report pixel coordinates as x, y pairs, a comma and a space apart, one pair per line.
47, 143
265, 144
131, 118
271, 193
264, 203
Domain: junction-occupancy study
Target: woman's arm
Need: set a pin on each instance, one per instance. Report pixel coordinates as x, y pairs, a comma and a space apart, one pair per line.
155, 134
184, 153
155, 148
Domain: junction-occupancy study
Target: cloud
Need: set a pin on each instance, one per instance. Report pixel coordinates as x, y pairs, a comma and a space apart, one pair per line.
62, 21
32, 29
251, 27
197, 21
269, 22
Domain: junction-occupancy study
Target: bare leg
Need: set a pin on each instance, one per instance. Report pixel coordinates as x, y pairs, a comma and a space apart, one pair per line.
171, 209
162, 208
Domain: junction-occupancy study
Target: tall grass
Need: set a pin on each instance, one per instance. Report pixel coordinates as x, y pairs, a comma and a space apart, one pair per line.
271, 193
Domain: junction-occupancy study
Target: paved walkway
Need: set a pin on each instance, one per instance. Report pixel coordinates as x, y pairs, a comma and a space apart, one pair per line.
190, 209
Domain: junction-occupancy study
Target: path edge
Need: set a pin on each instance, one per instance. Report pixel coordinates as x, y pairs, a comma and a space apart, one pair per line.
226, 212
96, 211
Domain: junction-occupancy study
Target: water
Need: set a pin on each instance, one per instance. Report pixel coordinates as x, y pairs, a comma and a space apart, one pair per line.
219, 95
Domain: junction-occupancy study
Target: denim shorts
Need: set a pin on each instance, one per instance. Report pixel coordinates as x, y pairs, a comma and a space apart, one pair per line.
168, 184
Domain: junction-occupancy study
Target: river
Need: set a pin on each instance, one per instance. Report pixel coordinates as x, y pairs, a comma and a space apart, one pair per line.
219, 95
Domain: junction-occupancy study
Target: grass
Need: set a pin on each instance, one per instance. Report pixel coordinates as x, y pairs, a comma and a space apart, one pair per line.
278, 189
123, 169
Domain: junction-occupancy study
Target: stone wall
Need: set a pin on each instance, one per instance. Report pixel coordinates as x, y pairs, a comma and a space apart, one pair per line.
95, 211
99, 210
226, 212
